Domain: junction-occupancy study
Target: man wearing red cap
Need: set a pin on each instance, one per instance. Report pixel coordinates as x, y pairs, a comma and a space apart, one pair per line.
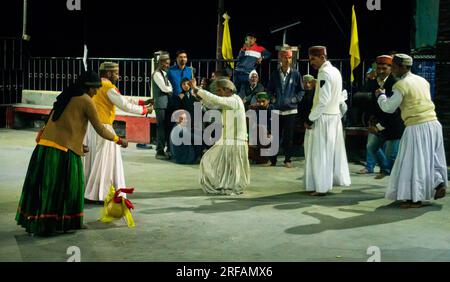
286, 89
326, 159
420, 170
385, 130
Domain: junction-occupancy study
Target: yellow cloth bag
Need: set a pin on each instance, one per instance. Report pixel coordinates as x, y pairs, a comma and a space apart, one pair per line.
116, 207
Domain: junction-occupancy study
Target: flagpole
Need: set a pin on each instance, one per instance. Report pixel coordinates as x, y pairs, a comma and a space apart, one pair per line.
355, 57
220, 11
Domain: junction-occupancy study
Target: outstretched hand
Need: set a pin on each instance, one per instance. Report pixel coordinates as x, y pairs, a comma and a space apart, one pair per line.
124, 143
149, 108
379, 91
193, 83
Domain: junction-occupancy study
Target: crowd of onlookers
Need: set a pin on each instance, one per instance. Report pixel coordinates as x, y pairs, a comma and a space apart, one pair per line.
284, 92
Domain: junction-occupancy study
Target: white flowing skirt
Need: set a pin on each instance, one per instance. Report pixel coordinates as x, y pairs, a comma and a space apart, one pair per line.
325, 156
102, 165
420, 165
225, 169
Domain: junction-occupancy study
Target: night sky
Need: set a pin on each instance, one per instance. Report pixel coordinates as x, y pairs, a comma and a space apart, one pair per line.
138, 28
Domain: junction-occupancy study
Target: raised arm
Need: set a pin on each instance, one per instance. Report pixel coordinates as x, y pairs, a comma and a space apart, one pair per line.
117, 99
228, 103
390, 105
209, 98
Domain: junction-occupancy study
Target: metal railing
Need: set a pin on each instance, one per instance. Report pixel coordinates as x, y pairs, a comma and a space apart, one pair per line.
55, 73
11, 70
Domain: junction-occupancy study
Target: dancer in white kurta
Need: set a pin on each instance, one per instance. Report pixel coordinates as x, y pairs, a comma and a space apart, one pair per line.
224, 168
326, 159
103, 163
420, 170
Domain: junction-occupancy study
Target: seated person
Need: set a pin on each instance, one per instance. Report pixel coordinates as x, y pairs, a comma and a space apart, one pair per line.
185, 100
182, 141
248, 92
262, 107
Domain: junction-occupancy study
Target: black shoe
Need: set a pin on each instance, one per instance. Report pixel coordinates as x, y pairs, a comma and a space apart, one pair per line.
161, 156
144, 146
440, 191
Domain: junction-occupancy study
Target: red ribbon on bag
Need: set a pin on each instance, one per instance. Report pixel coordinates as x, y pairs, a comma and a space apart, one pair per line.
118, 199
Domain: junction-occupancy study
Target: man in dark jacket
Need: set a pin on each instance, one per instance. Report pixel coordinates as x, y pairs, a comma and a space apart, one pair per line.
185, 100
384, 129
304, 107
248, 92
286, 90
262, 127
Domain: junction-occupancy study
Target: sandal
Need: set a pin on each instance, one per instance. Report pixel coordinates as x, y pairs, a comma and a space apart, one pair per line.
364, 171
411, 205
380, 176
317, 194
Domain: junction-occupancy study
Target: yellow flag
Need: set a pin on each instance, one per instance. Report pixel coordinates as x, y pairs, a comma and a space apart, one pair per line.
355, 59
227, 51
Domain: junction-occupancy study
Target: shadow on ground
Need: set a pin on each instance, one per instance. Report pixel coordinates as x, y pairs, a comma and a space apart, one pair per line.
293, 200
381, 215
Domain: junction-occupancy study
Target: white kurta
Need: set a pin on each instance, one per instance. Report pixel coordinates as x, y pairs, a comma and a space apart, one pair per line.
325, 155
224, 168
103, 165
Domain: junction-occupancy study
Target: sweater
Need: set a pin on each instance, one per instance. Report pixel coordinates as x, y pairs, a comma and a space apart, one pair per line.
69, 130
416, 106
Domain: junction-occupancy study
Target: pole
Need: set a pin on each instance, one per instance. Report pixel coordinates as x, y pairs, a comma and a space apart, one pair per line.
25, 36
220, 11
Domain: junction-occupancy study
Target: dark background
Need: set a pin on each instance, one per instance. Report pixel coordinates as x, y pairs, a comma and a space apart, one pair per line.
138, 28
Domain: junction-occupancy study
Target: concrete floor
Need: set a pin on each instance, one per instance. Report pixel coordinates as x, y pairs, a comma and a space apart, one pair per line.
275, 220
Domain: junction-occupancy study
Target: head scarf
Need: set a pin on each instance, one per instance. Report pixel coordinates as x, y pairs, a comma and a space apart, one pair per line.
89, 79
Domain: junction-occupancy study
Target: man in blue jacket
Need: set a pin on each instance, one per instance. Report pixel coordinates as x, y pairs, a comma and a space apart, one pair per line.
286, 89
